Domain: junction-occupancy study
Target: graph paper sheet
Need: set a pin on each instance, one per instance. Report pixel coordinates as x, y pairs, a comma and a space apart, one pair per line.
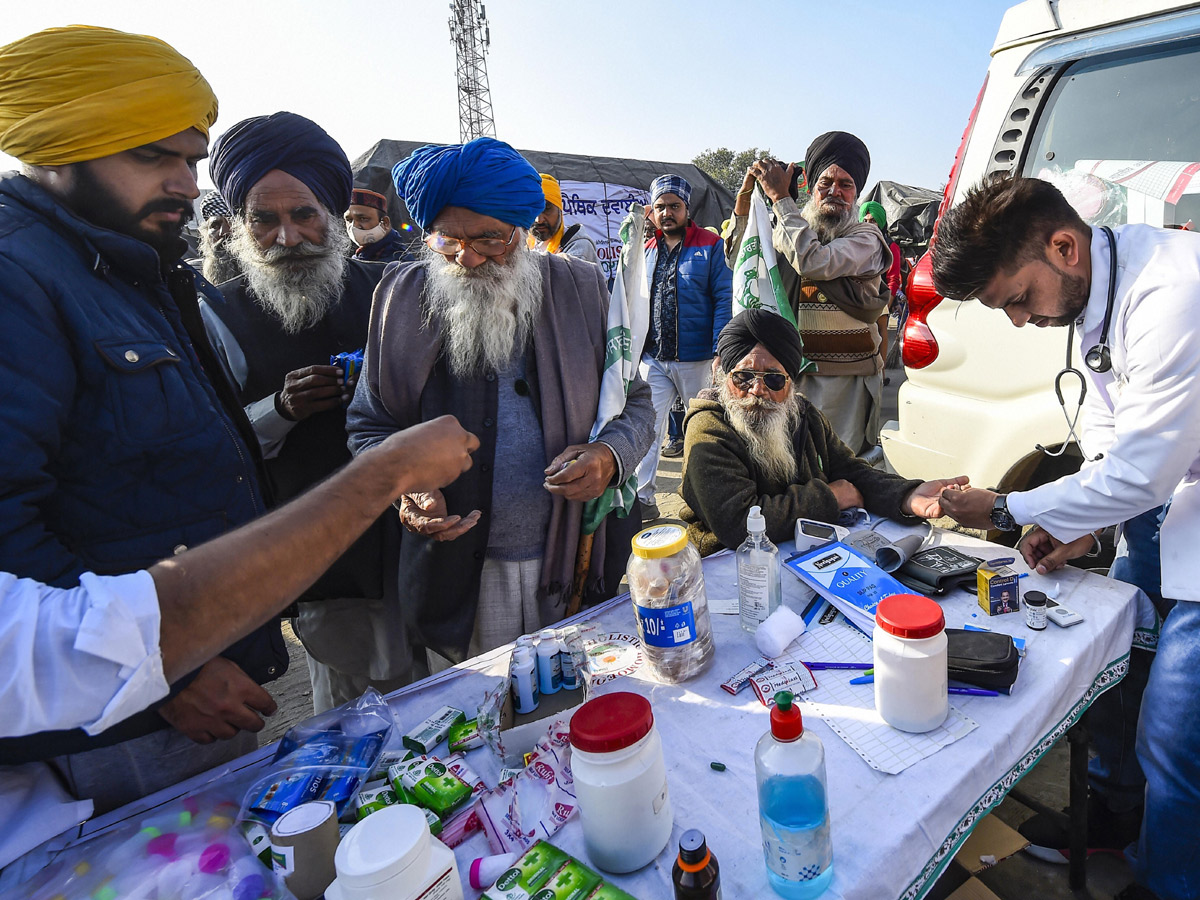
849, 709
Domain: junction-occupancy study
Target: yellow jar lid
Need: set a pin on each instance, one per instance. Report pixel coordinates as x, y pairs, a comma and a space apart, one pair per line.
659, 541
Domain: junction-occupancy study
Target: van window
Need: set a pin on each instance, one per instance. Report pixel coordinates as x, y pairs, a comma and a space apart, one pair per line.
1120, 136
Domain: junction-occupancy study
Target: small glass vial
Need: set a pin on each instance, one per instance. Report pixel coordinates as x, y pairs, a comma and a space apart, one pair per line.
695, 875
1035, 610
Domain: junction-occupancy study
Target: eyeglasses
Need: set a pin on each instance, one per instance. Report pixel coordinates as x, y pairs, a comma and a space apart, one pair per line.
745, 378
448, 246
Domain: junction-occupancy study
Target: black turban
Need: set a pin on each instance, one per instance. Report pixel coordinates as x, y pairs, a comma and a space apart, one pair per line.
748, 329
284, 141
838, 148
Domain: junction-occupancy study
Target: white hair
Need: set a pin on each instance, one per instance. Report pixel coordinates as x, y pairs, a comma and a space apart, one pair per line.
828, 225
299, 284
486, 313
767, 426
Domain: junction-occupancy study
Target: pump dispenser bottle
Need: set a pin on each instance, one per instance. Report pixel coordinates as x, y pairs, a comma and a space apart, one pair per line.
757, 573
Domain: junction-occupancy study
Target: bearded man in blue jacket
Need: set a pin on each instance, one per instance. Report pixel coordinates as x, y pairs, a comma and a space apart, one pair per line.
691, 296
122, 442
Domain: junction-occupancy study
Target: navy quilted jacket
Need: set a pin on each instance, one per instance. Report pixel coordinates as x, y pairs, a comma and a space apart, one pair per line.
117, 450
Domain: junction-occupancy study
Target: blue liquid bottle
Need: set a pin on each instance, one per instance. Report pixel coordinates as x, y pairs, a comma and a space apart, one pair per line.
789, 764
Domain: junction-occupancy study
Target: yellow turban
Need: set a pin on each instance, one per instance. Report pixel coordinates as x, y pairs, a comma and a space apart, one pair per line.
78, 93
553, 194
551, 189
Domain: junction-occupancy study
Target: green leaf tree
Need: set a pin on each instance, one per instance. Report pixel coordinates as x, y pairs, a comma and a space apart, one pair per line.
728, 167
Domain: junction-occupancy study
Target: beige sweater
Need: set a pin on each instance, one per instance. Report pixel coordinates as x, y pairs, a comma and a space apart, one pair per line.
836, 289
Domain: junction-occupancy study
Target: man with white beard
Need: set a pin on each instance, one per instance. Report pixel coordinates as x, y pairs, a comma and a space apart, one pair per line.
755, 440
216, 221
513, 343
298, 302
831, 267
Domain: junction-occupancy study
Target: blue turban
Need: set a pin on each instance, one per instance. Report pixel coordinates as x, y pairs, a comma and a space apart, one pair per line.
484, 175
288, 142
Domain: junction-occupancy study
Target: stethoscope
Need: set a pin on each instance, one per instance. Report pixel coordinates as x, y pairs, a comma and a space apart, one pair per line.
1098, 358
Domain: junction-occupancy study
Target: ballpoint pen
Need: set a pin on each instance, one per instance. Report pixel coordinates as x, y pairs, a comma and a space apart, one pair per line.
838, 665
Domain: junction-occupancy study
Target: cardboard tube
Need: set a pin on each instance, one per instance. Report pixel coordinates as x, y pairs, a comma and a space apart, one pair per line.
303, 842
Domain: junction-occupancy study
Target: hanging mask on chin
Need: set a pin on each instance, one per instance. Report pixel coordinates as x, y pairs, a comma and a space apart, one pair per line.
364, 236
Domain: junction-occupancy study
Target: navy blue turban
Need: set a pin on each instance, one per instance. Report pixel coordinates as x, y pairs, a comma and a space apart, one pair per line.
288, 142
484, 175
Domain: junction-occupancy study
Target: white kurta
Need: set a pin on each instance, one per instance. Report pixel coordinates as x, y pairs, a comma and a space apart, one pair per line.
1145, 413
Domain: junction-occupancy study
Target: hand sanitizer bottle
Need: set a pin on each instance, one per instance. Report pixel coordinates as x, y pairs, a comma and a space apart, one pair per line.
793, 807
757, 573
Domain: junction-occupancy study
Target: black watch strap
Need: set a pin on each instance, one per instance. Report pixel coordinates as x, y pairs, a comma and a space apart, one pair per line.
1001, 517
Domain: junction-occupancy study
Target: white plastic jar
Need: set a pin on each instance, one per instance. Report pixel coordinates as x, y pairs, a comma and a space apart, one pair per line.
620, 782
390, 855
911, 671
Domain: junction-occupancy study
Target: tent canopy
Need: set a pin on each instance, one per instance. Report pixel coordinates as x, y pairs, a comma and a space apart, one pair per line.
911, 212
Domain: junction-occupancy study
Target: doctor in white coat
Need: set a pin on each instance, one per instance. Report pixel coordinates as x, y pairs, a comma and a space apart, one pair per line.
1133, 294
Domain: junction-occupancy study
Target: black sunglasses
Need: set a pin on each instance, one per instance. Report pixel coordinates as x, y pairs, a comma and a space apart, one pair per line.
745, 378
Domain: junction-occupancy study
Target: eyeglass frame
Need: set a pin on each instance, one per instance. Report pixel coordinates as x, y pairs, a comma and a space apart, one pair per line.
463, 245
755, 375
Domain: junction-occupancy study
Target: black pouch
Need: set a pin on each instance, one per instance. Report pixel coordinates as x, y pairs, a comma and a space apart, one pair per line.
985, 659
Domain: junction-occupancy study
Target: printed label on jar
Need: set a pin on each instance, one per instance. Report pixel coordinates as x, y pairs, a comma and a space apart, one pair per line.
670, 626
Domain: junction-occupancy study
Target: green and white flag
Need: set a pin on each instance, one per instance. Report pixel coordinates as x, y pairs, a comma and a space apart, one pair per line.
628, 323
756, 283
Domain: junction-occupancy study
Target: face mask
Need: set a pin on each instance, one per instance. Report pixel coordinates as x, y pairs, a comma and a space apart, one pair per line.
364, 236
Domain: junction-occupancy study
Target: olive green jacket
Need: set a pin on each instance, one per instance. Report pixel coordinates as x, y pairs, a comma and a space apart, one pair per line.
721, 482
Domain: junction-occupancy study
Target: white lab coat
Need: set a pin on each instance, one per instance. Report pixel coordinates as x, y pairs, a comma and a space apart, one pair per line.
1145, 413
88, 658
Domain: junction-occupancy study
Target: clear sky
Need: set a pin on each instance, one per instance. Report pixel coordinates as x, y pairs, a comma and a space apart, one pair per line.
637, 78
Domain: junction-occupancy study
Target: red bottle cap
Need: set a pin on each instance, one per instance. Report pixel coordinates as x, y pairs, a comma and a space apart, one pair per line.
909, 616
611, 722
786, 721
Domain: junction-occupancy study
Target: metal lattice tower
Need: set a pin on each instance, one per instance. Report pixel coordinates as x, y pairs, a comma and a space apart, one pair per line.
471, 36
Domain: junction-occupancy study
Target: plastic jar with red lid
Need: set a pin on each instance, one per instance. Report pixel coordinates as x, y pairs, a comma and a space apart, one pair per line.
620, 781
911, 674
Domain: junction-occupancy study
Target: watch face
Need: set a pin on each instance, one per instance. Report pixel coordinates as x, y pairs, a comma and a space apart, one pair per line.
1001, 517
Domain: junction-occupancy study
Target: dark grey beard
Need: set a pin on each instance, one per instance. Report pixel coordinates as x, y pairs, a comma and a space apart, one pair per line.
828, 226
487, 314
767, 427
298, 285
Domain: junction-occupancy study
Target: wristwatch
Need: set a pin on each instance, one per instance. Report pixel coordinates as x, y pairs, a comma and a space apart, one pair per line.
1001, 517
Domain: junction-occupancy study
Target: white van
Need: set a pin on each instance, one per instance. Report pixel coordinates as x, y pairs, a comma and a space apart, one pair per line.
1102, 97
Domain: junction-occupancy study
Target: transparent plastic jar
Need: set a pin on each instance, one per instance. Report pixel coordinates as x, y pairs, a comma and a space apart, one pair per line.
669, 604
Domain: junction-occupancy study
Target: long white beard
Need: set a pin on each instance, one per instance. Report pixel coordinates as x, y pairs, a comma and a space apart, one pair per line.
487, 313
299, 284
767, 427
828, 225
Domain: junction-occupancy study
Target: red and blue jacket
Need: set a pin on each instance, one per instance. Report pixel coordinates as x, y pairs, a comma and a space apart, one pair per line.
704, 292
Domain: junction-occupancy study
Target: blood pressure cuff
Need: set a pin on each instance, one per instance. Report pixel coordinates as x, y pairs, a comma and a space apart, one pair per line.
985, 659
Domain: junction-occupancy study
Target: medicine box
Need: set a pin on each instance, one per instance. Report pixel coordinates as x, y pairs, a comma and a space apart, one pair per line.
999, 590
515, 734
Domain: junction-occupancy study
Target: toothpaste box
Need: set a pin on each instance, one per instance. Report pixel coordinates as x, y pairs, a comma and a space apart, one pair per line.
999, 590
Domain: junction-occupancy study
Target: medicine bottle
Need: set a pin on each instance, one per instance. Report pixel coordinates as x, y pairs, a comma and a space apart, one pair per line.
549, 664
390, 855
669, 604
620, 781
695, 875
1035, 610
911, 669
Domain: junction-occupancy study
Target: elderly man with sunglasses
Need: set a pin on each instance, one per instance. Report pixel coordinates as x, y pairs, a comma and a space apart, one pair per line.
513, 343
755, 440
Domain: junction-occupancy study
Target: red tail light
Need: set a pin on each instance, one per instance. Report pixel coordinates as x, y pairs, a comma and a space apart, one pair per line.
918, 346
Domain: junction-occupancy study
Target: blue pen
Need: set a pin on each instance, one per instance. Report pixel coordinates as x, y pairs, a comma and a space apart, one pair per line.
838, 665
966, 691
863, 679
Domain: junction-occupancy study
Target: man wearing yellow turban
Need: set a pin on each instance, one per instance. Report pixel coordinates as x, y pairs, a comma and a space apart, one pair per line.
123, 444
549, 231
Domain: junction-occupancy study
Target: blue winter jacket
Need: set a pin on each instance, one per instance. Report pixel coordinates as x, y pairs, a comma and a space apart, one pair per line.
704, 291
117, 448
